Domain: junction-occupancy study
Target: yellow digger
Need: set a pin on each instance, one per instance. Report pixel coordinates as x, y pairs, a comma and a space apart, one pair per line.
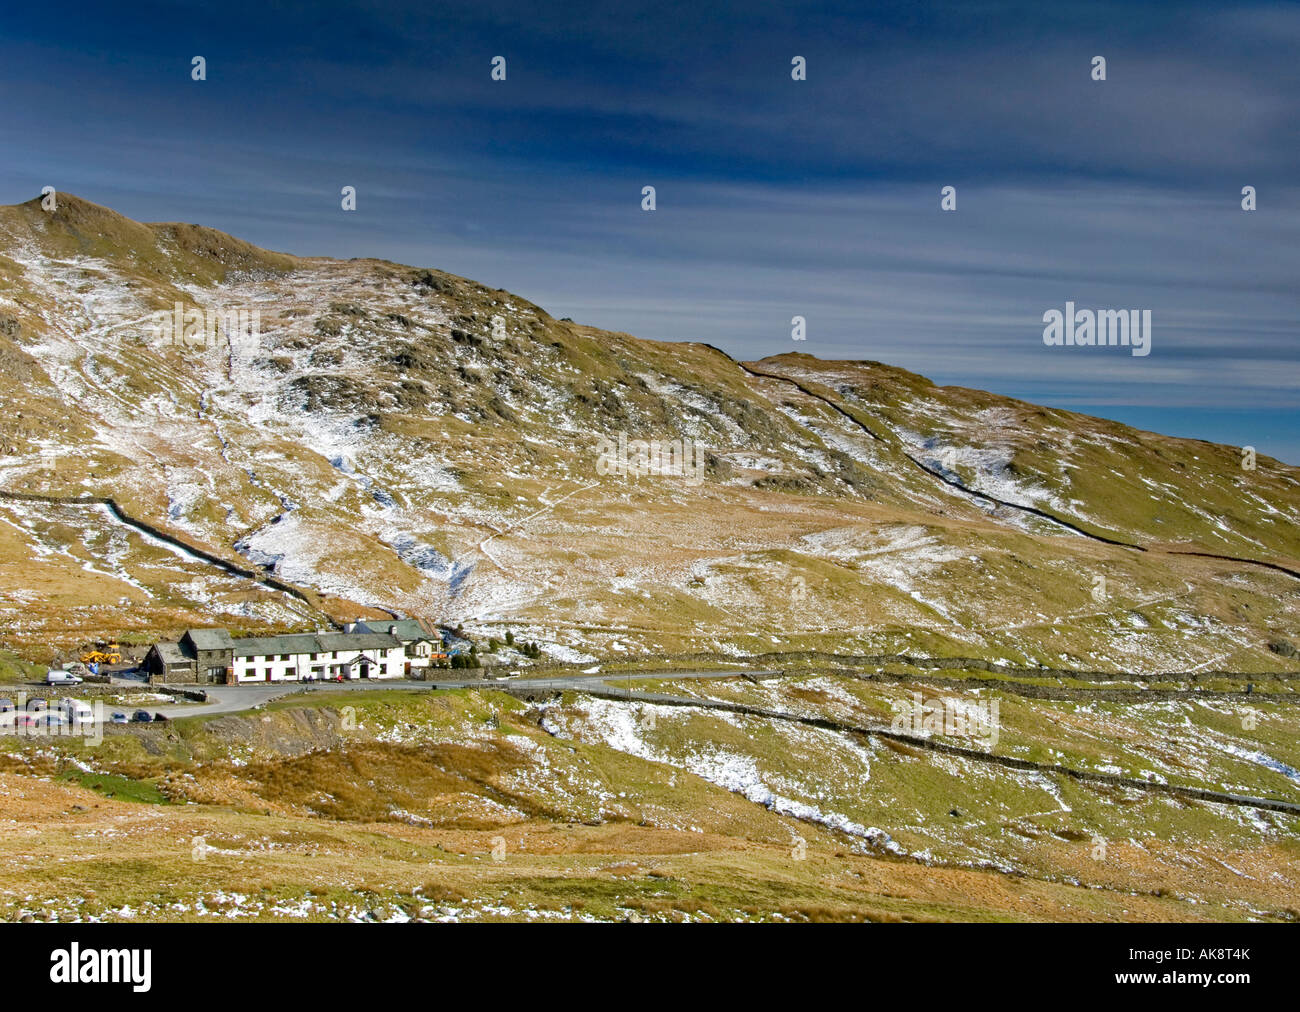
104, 653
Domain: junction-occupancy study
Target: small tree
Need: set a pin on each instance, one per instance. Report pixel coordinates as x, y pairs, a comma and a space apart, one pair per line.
510, 638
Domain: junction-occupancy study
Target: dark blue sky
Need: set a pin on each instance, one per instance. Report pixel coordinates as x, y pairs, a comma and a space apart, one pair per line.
775, 198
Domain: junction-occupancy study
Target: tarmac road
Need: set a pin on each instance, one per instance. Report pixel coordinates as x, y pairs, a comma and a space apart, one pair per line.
238, 698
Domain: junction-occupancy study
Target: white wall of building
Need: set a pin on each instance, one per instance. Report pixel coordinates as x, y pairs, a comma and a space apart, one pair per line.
325, 666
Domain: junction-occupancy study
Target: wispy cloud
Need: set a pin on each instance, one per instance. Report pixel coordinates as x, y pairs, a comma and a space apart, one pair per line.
776, 199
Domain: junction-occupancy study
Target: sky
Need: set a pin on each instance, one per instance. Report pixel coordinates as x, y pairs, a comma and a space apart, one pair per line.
775, 198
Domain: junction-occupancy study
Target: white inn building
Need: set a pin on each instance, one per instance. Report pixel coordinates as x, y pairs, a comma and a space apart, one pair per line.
389, 649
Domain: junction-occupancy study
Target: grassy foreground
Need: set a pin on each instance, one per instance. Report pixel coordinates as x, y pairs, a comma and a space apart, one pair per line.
471, 805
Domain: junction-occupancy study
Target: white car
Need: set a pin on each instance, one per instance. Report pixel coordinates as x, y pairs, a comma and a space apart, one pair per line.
76, 711
58, 677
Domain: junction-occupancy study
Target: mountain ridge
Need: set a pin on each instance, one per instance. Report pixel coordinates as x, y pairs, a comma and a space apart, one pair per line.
404, 439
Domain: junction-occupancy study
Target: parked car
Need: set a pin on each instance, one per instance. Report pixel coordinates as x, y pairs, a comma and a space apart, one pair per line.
76, 711
118, 717
26, 720
141, 717
55, 676
50, 718
36, 705
6, 704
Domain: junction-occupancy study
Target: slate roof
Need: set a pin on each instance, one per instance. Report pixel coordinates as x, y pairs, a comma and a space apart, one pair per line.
357, 641
210, 639
312, 643
269, 646
173, 655
406, 629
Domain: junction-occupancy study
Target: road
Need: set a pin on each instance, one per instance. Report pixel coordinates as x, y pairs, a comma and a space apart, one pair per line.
238, 698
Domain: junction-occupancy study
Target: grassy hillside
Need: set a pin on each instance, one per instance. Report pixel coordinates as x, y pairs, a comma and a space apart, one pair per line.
402, 439
390, 806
